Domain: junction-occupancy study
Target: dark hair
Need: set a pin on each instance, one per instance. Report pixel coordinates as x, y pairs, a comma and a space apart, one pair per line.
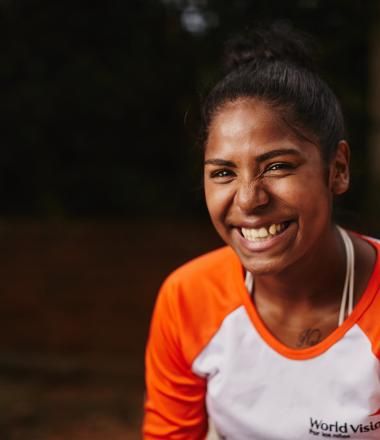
274, 65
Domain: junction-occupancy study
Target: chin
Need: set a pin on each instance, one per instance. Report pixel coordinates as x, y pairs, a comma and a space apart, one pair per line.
257, 267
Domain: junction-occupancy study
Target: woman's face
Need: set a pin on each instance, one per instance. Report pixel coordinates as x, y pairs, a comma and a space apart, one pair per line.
267, 190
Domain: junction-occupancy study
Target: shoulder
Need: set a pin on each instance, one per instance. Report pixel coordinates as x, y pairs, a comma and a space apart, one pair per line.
369, 321
373, 280
196, 298
372, 240
206, 279
206, 267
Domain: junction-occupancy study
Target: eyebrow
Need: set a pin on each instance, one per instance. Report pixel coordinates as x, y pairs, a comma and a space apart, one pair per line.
279, 152
261, 158
220, 163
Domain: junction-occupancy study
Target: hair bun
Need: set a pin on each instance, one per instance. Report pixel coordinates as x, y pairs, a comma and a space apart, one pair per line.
277, 42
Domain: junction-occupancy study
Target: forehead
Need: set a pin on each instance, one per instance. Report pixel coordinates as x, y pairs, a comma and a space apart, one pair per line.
249, 123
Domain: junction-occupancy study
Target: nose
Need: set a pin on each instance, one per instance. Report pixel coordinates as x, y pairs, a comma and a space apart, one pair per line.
252, 195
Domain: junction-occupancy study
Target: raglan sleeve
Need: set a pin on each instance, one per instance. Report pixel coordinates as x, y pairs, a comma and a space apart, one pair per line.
175, 397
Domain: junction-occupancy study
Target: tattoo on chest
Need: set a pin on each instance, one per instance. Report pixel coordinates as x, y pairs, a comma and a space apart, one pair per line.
309, 337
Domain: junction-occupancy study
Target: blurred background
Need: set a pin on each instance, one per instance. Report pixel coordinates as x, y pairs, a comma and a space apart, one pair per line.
101, 184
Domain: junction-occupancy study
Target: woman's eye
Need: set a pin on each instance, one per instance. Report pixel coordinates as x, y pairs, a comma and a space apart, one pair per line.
221, 174
279, 167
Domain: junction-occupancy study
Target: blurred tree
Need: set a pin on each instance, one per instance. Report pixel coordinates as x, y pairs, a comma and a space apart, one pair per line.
374, 109
100, 100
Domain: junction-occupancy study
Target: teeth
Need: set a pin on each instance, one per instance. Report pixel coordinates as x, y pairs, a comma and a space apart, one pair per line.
262, 233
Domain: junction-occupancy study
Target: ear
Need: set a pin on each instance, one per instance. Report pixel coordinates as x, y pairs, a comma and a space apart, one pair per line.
339, 177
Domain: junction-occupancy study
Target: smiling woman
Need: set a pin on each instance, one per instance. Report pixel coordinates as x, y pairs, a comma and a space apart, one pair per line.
275, 181
258, 336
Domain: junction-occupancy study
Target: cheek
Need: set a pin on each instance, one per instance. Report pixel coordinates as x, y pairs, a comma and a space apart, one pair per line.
218, 200
307, 194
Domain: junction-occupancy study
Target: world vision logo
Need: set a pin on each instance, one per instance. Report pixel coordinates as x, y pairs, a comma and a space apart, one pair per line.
341, 430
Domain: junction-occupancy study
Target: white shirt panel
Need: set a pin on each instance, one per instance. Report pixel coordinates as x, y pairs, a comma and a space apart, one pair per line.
255, 393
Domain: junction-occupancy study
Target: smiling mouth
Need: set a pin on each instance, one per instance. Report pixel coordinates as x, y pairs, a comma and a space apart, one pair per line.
264, 233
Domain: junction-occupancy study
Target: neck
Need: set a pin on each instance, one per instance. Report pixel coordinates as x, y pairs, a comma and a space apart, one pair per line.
316, 281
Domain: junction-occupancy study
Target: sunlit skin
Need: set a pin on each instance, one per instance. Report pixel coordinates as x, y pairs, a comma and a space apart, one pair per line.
259, 172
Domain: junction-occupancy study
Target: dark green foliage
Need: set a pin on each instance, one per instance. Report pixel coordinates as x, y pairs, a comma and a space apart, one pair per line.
99, 101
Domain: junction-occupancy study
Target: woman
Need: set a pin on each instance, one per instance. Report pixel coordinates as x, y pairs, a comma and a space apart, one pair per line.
277, 335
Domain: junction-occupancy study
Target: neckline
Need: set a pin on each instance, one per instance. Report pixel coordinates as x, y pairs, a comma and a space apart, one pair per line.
316, 350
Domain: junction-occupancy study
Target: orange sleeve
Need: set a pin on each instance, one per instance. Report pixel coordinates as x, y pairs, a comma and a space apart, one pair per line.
175, 396
369, 323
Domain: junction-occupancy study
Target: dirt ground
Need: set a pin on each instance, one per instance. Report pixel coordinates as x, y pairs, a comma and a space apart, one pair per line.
75, 309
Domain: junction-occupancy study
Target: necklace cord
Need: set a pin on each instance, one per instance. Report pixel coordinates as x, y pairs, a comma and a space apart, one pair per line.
348, 290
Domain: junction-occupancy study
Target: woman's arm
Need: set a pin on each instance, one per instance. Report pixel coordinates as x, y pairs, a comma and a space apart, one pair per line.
175, 399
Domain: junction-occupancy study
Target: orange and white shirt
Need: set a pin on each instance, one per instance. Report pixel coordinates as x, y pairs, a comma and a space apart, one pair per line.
210, 355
